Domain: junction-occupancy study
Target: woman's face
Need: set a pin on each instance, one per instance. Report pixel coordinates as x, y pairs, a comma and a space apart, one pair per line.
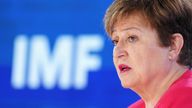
138, 57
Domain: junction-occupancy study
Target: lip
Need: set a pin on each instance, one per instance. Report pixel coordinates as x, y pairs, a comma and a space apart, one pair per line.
124, 68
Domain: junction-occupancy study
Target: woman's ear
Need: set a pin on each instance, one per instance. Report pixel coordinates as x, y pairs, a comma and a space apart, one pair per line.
176, 46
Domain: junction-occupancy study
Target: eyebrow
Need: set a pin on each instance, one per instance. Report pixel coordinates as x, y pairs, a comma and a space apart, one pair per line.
128, 28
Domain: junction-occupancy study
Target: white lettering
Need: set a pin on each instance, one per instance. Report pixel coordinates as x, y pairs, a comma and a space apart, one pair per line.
48, 68
19, 62
85, 61
66, 65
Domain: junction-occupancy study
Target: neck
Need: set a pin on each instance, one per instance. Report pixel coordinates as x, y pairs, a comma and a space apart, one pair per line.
155, 88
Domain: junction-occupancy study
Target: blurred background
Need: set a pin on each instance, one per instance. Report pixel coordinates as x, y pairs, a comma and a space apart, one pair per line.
56, 54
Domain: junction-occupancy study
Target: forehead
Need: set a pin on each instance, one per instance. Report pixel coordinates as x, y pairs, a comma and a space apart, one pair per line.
132, 21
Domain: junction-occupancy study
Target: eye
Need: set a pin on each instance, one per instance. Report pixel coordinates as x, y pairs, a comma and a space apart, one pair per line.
114, 42
132, 39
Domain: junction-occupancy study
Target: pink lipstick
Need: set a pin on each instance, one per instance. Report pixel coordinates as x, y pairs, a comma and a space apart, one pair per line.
124, 68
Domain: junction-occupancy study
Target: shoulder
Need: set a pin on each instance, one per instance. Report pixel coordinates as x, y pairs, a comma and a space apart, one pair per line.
179, 94
185, 81
183, 84
177, 98
138, 104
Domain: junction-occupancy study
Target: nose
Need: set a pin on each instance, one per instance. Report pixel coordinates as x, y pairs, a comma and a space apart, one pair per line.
120, 51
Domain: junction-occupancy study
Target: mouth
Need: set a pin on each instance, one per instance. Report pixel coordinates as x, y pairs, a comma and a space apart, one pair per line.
124, 68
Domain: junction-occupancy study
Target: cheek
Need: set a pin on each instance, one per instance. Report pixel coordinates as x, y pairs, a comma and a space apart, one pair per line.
139, 55
142, 64
143, 57
150, 58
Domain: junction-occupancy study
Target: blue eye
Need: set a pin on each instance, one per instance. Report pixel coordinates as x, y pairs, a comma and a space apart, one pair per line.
132, 39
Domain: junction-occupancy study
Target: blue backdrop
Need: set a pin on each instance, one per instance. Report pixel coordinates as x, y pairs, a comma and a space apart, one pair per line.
55, 54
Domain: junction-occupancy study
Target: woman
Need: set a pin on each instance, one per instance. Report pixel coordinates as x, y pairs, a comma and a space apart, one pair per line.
153, 50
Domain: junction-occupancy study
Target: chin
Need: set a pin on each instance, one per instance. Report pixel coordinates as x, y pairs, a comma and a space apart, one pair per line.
125, 85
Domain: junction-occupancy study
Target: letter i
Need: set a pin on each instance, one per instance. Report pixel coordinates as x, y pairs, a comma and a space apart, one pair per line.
19, 62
